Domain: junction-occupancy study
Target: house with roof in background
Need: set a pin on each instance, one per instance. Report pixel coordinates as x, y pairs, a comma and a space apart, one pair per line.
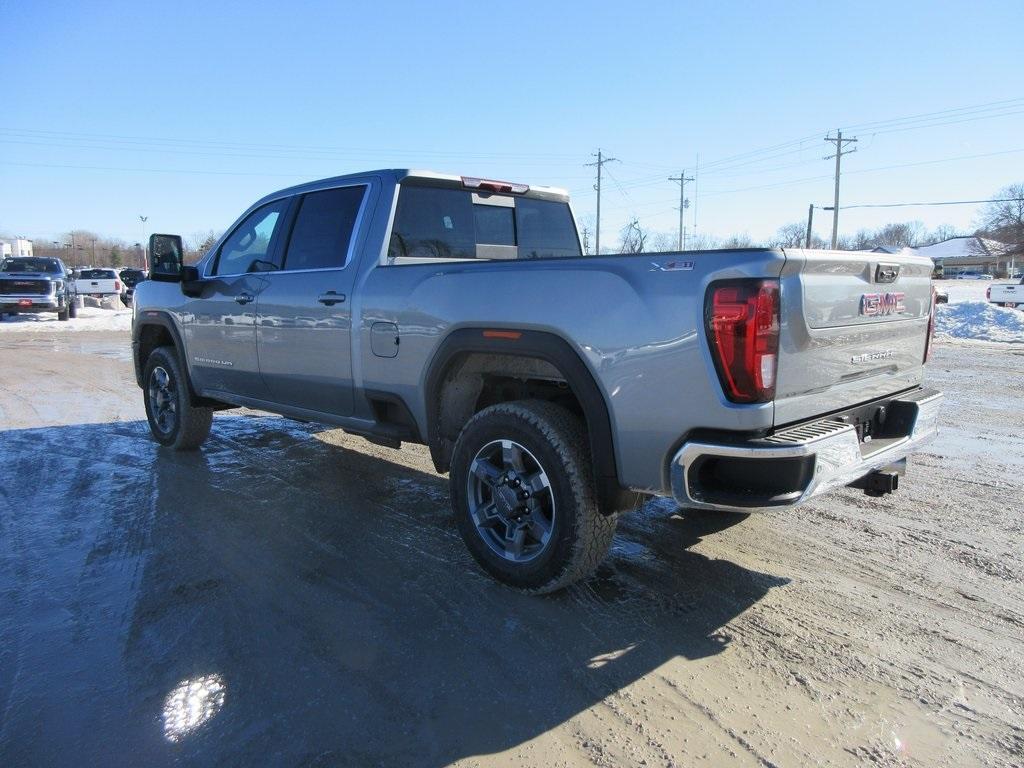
972, 253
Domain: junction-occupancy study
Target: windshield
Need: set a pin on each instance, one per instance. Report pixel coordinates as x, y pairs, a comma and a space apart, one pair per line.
51, 266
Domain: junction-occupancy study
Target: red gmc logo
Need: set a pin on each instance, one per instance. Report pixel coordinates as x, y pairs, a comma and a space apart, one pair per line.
874, 304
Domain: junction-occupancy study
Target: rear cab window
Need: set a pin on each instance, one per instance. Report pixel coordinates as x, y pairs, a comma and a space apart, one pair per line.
434, 222
322, 232
98, 274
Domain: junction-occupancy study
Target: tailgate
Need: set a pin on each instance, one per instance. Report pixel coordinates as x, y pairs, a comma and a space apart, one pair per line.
854, 326
1007, 292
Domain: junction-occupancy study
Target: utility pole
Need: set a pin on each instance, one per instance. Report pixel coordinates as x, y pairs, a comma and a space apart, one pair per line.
840, 143
681, 179
601, 160
810, 223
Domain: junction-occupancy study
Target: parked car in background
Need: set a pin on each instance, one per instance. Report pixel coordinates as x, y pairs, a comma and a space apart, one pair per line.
556, 388
129, 279
1006, 294
29, 284
974, 276
100, 283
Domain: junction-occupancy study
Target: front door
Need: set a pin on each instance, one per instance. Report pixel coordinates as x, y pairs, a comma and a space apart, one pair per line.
304, 315
220, 323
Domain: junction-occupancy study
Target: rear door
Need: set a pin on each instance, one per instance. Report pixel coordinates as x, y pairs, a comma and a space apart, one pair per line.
220, 324
854, 326
304, 327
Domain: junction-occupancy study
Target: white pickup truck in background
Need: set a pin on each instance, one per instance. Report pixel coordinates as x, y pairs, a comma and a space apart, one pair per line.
100, 283
1006, 294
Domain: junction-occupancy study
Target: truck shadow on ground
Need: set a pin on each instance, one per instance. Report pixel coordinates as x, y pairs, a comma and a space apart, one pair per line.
278, 600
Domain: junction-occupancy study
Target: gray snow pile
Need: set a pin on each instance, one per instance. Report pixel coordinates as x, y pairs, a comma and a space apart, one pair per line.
979, 321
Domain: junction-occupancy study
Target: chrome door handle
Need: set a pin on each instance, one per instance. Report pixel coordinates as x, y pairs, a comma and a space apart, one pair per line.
244, 298
331, 298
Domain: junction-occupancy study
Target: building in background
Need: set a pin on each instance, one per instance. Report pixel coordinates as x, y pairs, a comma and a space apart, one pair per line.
975, 254
17, 246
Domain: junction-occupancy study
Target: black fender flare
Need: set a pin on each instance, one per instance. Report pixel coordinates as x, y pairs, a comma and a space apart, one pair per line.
554, 350
151, 317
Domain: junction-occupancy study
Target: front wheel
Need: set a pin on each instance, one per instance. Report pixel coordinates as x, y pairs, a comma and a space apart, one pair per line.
173, 420
524, 496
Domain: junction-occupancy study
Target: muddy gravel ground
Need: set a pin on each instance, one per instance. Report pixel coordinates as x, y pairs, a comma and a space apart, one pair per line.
298, 597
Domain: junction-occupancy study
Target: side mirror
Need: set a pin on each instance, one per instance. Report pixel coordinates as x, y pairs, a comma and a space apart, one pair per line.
165, 256
72, 275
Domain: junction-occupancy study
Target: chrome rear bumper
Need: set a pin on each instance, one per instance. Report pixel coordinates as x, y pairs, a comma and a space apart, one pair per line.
798, 462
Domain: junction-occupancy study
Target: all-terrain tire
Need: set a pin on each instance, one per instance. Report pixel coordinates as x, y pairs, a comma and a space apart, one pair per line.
580, 534
62, 314
72, 307
184, 426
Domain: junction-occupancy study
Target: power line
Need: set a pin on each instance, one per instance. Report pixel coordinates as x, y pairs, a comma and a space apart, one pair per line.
942, 202
213, 143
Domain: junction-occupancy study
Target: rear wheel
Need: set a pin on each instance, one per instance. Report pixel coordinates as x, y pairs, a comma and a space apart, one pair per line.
173, 420
72, 307
524, 496
62, 314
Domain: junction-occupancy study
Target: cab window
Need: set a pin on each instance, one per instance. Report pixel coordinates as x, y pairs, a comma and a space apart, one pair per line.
323, 228
447, 223
248, 247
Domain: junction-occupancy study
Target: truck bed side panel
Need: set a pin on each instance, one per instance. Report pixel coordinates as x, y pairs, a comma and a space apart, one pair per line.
637, 326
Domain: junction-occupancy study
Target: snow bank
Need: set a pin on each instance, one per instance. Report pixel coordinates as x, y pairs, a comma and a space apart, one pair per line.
963, 290
89, 319
979, 321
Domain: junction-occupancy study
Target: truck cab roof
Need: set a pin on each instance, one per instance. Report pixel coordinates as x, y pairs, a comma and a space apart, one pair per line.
400, 175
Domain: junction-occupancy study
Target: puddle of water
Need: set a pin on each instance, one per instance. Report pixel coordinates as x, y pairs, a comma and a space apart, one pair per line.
113, 349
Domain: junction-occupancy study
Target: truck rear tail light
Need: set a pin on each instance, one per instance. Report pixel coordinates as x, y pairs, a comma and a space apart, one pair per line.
988, 293
490, 185
117, 286
742, 318
931, 328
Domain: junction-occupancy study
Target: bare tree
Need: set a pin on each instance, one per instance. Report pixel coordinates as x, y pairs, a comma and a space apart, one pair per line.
632, 237
1004, 221
664, 242
905, 234
940, 234
790, 236
702, 242
738, 241
198, 243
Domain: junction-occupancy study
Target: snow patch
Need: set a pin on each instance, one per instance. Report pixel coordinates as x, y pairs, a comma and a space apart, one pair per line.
963, 290
979, 321
88, 319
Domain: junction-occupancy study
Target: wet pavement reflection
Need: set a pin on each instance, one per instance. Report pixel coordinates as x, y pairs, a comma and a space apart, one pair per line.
277, 599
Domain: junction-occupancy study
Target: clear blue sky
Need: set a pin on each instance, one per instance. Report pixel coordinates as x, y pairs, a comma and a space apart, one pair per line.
187, 112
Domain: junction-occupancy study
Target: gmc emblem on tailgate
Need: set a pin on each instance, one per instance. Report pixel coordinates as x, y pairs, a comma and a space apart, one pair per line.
875, 304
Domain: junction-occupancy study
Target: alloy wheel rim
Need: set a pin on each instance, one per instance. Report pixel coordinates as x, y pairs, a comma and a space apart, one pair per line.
163, 400
511, 502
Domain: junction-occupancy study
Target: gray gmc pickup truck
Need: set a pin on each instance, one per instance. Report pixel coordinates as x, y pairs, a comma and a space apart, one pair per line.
556, 389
